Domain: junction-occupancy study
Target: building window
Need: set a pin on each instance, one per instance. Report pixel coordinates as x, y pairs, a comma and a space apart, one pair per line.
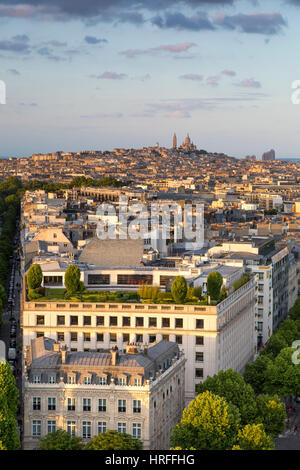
86, 336
199, 324
87, 380
40, 320
165, 323
165, 337
137, 382
71, 404
199, 373
199, 356
152, 338
51, 379
260, 299
87, 321
260, 276
178, 339
152, 322
139, 321
199, 340
113, 337
86, 404
73, 320
138, 338
36, 403
36, 427
122, 428
36, 379
53, 280
125, 338
100, 337
94, 279
178, 322
126, 321
102, 380
40, 334
71, 427
71, 379
101, 427
51, 426
60, 320
86, 429
122, 406
99, 321
136, 430
74, 337
51, 403
122, 381
165, 280
102, 404
135, 279
60, 336
113, 321
137, 406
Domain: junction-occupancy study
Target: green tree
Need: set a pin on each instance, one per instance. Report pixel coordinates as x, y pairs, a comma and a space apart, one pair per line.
271, 414
34, 276
282, 376
179, 289
231, 385
9, 435
2, 294
254, 373
72, 279
253, 437
61, 440
2, 446
214, 284
276, 343
8, 386
209, 423
112, 440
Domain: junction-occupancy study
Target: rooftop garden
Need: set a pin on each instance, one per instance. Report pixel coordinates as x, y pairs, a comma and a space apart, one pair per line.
179, 293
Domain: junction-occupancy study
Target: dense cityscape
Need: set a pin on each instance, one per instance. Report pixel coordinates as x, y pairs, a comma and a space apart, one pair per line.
127, 335
150, 284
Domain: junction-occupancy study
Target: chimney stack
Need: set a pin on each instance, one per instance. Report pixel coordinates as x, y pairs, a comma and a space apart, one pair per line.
63, 354
114, 355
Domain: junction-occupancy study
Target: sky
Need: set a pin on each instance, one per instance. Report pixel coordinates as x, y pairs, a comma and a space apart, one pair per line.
100, 74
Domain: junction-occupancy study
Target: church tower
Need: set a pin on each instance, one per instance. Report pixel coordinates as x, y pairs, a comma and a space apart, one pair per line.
174, 141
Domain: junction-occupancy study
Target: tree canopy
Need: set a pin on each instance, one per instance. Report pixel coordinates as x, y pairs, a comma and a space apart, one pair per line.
179, 289
112, 440
209, 423
214, 284
34, 276
61, 440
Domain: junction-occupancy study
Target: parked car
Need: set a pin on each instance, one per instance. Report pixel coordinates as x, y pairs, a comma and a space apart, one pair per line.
12, 354
13, 332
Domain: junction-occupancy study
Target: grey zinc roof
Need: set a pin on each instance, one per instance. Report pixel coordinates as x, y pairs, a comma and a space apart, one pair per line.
113, 253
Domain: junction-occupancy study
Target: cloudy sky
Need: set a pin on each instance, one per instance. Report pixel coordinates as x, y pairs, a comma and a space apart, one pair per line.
99, 74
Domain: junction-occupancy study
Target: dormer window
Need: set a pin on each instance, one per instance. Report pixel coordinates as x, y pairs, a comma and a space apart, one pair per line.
87, 380
137, 382
71, 379
36, 379
51, 379
102, 380
121, 381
